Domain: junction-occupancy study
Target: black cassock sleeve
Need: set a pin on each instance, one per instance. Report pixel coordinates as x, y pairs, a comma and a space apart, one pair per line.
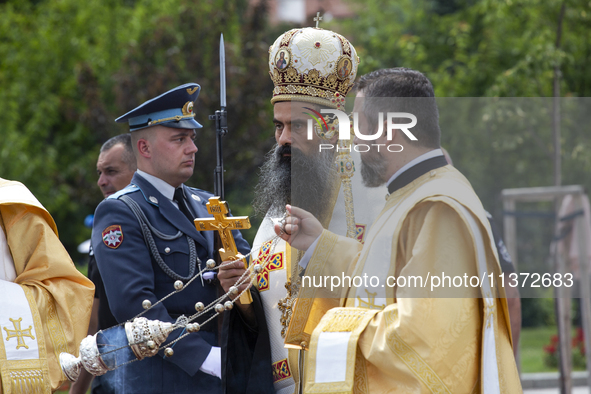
246, 352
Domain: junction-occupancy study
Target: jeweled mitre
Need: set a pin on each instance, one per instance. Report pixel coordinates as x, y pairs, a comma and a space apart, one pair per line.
313, 65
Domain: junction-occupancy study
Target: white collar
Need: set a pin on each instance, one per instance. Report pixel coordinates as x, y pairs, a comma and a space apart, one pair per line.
414, 162
162, 186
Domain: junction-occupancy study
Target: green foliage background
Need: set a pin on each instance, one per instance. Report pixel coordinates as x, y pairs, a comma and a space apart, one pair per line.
479, 55
69, 68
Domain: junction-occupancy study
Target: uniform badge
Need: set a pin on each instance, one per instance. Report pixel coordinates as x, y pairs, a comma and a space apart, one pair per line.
188, 108
113, 236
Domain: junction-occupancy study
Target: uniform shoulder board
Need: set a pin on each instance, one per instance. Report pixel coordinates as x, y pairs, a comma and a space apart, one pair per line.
126, 190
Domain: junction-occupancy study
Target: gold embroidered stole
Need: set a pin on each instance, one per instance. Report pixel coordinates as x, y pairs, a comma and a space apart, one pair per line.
23, 361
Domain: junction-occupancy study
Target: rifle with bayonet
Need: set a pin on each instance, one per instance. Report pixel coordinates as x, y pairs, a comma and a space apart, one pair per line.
228, 251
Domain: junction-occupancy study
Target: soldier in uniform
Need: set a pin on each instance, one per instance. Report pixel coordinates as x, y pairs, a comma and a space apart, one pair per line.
115, 167
144, 240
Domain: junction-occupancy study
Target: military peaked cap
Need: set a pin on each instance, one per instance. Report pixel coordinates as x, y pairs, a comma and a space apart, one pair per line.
171, 109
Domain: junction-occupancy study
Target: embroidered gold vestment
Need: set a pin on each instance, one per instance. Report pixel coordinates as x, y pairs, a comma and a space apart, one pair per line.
393, 339
45, 302
283, 261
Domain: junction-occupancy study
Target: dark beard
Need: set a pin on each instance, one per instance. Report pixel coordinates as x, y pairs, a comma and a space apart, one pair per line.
273, 191
308, 186
372, 170
312, 180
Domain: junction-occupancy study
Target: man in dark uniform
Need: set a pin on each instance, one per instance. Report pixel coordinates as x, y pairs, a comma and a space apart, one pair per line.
115, 167
140, 262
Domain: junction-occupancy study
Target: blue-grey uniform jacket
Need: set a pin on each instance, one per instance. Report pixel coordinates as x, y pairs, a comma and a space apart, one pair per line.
132, 275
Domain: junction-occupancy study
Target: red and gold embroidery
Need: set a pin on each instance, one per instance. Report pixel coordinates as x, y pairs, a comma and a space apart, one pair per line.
276, 262
360, 232
281, 370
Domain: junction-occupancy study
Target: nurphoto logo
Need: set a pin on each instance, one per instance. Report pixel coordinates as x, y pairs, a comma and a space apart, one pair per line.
344, 128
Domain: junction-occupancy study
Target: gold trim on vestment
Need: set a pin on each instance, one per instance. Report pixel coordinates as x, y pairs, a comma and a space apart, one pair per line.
476, 388
353, 320
361, 382
40, 334
55, 329
293, 362
26, 376
411, 358
300, 311
300, 319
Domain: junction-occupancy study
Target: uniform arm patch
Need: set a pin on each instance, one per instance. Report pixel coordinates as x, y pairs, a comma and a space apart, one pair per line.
113, 236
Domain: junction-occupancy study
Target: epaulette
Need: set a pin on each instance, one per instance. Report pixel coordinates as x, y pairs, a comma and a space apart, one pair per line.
126, 190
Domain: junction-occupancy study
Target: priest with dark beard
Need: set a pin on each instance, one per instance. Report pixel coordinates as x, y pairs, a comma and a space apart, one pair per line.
289, 176
308, 169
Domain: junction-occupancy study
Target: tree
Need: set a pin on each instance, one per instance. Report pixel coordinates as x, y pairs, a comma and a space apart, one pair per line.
490, 48
70, 68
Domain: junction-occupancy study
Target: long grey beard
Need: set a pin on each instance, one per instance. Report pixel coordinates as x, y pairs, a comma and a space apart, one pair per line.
303, 181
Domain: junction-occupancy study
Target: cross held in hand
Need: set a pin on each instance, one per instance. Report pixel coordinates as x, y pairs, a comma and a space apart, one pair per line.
223, 225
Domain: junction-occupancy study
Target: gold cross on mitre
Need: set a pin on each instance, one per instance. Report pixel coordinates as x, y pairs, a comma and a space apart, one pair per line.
18, 333
317, 19
224, 226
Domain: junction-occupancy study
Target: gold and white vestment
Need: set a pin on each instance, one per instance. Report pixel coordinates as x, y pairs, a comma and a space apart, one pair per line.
388, 339
44, 301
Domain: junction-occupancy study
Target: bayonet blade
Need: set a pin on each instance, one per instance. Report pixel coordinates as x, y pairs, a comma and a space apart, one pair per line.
222, 73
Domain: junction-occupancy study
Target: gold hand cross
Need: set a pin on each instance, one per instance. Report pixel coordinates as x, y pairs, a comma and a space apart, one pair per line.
224, 226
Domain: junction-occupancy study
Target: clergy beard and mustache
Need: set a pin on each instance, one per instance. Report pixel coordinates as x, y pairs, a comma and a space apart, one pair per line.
298, 179
373, 168
274, 188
